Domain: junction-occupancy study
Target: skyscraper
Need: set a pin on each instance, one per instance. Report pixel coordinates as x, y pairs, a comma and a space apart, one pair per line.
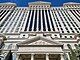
39, 31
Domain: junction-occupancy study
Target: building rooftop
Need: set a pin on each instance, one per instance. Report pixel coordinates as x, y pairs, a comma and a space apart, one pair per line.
39, 2
39, 18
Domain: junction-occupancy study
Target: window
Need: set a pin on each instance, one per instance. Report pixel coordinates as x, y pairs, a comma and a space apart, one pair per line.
60, 36
72, 31
62, 31
23, 35
61, 28
65, 36
55, 35
77, 31
68, 31
66, 28
79, 28
70, 36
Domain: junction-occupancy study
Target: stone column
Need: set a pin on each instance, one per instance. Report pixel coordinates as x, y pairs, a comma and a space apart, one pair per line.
47, 56
14, 56
62, 58
32, 56
17, 57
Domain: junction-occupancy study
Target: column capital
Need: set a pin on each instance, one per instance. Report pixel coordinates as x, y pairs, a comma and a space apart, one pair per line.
32, 54
47, 53
62, 54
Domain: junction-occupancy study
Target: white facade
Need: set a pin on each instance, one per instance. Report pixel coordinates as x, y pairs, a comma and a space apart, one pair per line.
39, 29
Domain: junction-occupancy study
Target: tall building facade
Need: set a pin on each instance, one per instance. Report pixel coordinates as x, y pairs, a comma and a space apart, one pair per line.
39, 31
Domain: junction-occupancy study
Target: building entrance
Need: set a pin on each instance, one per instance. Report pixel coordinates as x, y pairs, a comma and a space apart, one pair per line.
40, 57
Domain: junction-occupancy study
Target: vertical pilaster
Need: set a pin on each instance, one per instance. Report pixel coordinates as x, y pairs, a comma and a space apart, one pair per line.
32, 56
62, 58
47, 56
17, 57
13, 56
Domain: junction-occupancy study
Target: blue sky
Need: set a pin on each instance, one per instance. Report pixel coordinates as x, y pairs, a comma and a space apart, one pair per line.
25, 2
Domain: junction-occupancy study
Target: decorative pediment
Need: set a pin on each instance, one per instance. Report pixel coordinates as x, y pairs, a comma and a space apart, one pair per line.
39, 40
39, 3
